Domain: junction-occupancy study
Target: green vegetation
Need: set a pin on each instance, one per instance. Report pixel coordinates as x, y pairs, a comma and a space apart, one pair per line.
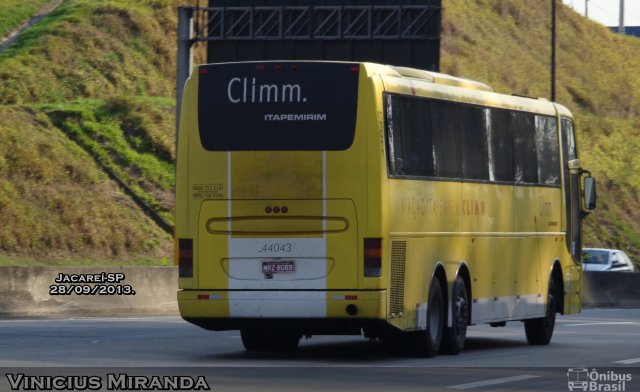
91, 87
130, 138
15, 12
93, 49
88, 90
506, 44
56, 203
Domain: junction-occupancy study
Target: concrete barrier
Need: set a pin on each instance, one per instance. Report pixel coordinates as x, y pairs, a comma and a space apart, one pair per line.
27, 291
30, 291
611, 290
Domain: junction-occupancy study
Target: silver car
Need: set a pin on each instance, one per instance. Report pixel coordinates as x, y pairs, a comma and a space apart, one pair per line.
598, 259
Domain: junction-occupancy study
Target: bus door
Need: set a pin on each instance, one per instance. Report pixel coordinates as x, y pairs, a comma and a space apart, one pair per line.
573, 214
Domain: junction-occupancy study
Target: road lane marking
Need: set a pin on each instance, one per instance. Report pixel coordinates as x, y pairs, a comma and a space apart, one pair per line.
607, 323
628, 361
494, 381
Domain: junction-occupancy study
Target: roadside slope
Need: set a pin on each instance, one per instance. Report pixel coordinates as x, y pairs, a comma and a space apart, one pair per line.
14, 13
92, 83
56, 204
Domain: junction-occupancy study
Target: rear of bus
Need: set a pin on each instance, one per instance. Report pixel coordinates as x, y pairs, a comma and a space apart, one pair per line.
278, 216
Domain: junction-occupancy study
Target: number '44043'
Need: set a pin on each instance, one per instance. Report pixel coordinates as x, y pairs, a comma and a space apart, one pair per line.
276, 247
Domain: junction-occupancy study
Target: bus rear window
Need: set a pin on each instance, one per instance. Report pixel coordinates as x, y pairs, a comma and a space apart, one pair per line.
277, 106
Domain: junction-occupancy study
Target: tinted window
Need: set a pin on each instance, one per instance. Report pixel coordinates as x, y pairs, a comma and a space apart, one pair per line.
446, 127
475, 162
434, 138
410, 141
595, 257
547, 148
277, 106
569, 139
525, 162
501, 142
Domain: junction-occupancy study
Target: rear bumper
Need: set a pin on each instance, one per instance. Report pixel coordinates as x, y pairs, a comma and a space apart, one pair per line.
317, 310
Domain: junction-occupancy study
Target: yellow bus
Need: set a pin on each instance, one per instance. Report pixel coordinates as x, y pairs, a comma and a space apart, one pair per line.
356, 198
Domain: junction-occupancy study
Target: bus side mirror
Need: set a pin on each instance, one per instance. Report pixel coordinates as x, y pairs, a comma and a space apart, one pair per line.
589, 193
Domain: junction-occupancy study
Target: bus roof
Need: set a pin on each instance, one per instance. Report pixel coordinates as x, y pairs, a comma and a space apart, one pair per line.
418, 82
440, 78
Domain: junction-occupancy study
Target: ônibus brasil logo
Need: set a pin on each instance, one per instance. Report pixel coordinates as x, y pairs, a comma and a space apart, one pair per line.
583, 379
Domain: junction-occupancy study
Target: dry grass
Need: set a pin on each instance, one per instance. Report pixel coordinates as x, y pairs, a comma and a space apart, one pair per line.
15, 12
88, 72
93, 49
54, 203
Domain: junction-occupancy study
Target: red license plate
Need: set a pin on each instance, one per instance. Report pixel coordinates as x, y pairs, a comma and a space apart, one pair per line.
277, 267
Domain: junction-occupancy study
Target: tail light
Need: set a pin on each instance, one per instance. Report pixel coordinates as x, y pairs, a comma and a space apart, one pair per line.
185, 257
372, 257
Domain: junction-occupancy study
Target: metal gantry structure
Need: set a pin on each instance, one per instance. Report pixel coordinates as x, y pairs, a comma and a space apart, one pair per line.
299, 25
331, 22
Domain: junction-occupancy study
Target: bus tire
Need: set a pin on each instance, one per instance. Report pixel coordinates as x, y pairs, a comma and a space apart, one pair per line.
426, 343
286, 342
253, 340
454, 336
539, 330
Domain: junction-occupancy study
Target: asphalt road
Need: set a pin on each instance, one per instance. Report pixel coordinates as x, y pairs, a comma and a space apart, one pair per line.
607, 341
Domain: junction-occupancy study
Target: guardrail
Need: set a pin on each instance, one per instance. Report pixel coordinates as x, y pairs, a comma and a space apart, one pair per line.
611, 290
36, 292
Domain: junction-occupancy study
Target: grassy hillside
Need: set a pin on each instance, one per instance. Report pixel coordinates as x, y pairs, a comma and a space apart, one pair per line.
15, 12
93, 49
90, 89
506, 43
55, 203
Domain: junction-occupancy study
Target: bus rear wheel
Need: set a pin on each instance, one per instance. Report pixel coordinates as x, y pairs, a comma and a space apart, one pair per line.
256, 339
539, 330
426, 343
454, 336
286, 342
